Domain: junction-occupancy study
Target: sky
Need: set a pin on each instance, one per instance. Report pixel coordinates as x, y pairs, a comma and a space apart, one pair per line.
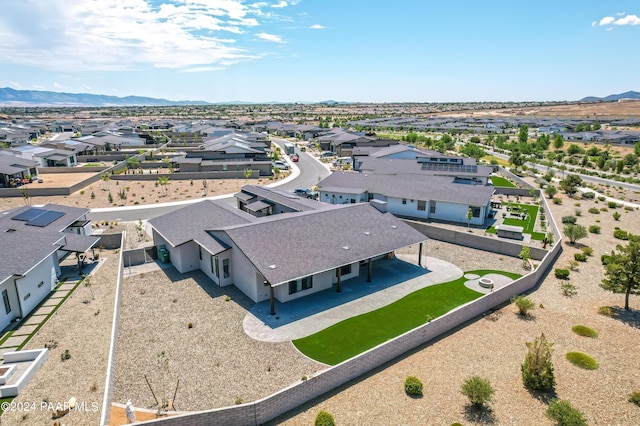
317, 50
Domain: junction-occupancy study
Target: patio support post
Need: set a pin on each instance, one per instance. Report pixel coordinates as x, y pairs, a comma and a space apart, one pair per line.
369, 271
271, 301
420, 255
338, 289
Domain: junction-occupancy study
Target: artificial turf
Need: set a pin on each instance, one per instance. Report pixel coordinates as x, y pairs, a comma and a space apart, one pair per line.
355, 335
499, 181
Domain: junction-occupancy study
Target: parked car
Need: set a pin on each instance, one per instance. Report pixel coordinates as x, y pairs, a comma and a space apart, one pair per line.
304, 192
280, 165
326, 154
295, 158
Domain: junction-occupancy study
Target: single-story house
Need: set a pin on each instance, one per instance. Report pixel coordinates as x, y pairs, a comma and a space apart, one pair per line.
32, 242
283, 256
14, 168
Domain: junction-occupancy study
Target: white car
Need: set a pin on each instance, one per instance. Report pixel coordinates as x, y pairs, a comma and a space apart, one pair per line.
280, 165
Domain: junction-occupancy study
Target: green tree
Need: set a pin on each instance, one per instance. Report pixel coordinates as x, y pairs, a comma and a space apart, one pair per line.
473, 151
574, 149
570, 184
106, 177
558, 142
133, 163
523, 134
551, 191
636, 148
575, 232
478, 390
622, 271
24, 191
537, 369
619, 166
516, 158
525, 255
469, 216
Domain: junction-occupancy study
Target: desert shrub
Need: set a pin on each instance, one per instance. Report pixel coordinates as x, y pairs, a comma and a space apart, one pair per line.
568, 289
616, 216
594, 229
635, 398
524, 304
565, 414
573, 265
578, 212
584, 331
604, 209
621, 234
580, 257
605, 259
537, 369
324, 419
582, 360
602, 198
606, 311
588, 195
594, 210
569, 220
612, 204
562, 274
587, 250
413, 386
557, 200
478, 390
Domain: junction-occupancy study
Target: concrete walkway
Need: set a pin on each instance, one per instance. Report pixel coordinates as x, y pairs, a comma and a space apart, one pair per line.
392, 280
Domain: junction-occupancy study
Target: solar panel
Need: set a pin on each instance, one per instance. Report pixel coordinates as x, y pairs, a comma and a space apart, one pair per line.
450, 168
29, 214
45, 218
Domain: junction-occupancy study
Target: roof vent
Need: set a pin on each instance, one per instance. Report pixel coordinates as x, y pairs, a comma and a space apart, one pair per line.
272, 266
346, 247
393, 227
367, 233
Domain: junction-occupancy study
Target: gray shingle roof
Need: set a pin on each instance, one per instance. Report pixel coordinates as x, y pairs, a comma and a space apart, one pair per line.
24, 246
288, 199
413, 186
301, 244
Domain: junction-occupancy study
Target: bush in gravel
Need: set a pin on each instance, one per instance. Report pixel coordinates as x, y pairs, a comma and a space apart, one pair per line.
524, 305
569, 220
594, 229
620, 234
605, 259
562, 274
612, 204
557, 200
616, 216
568, 289
594, 210
478, 390
413, 386
635, 398
584, 331
588, 195
565, 414
324, 419
587, 250
537, 369
606, 311
582, 360
580, 257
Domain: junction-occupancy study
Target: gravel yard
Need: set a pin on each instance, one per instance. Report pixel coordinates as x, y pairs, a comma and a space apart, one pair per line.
494, 347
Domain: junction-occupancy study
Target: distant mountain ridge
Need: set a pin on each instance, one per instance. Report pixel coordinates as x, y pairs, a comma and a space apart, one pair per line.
626, 95
12, 97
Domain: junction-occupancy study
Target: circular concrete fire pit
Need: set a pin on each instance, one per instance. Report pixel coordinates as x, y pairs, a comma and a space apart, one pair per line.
486, 282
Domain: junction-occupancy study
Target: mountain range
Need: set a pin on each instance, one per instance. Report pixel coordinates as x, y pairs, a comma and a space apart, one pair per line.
626, 95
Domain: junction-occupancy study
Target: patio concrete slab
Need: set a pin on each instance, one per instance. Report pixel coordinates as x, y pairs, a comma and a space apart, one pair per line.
392, 280
13, 341
498, 281
34, 320
66, 286
25, 330
44, 310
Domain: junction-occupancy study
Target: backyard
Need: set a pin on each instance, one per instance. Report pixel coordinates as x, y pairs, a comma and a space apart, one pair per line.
499, 181
524, 215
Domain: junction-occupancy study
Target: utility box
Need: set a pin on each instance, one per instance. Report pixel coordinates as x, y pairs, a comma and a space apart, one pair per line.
163, 255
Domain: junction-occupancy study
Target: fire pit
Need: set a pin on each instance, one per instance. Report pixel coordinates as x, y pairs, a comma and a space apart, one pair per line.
486, 282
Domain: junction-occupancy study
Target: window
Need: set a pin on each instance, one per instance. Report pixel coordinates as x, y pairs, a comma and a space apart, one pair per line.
200, 252
475, 211
214, 266
432, 207
344, 270
422, 205
369, 197
5, 298
225, 268
26, 296
404, 201
300, 284
41, 284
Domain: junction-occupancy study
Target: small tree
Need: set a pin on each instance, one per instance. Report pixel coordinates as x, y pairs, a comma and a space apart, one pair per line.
537, 369
622, 271
469, 216
324, 419
551, 191
525, 255
524, 305
575, 232
570, 184
24, 191
478, 390
565, 414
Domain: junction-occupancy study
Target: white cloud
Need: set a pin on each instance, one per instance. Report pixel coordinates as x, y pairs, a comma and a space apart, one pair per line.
117, 35
280, 4
203, 69
626, 20
87, 88
607, 20
15, 85
270, 37
57, 85
317, 27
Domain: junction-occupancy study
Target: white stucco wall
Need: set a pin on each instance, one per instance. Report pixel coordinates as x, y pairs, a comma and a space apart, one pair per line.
395, 206
37, 283
456, 213
6, 318
321, 281
342, 198
243, 275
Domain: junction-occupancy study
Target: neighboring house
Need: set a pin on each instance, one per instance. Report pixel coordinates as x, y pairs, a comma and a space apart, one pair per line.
32, 243
78, 148
46, 157
261, 201
284, 256
13, 168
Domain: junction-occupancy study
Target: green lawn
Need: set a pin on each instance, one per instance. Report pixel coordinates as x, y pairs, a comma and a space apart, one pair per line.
501, 182
355, 335
527, 225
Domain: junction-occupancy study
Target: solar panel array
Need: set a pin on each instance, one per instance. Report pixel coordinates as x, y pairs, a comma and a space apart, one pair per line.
38, 217
444, 167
